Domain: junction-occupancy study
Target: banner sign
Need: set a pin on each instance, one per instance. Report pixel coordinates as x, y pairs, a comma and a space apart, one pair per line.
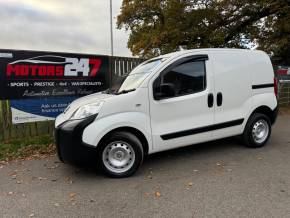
33, 74
34, 110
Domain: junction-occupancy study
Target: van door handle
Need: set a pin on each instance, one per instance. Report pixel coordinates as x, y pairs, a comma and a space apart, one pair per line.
219, 99
210, 100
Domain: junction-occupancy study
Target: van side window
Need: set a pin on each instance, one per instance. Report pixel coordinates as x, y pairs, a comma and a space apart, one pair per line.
186, 78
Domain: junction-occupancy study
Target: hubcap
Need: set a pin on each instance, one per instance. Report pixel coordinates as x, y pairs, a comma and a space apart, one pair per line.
260, 131
118, 157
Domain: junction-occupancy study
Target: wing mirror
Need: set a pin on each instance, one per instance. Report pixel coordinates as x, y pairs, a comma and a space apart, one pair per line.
165, 90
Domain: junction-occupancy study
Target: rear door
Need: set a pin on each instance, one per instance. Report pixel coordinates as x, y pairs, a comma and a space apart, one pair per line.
232, 82
180, 120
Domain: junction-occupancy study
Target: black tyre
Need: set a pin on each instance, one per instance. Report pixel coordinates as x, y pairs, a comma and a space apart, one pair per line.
120, 155
257, 131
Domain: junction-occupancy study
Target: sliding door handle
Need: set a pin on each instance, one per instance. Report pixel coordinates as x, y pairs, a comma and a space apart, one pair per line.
210, 100
219, 99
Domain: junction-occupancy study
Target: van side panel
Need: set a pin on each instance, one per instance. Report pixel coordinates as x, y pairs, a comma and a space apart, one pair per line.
262, 69
262, 81
232, 76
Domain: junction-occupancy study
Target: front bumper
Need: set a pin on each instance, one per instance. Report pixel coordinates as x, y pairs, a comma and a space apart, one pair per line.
68, 138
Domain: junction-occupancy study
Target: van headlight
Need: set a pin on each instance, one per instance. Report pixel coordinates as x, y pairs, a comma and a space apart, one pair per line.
87, 110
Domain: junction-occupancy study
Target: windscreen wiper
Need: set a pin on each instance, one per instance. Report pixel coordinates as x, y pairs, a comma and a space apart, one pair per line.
125, 91
108, 91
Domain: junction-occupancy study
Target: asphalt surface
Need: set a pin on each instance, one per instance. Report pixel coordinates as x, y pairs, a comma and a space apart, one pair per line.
215, 179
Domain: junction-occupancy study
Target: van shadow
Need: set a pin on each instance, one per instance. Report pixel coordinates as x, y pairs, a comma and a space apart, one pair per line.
197, 150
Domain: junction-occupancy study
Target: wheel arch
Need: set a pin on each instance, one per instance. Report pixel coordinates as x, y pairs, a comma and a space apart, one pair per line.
132, 130
272, 114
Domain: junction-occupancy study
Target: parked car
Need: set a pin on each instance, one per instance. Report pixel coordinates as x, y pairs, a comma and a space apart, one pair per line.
282, 72
174, 100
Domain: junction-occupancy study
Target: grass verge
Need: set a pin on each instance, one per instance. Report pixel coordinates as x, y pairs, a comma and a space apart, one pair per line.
29, 148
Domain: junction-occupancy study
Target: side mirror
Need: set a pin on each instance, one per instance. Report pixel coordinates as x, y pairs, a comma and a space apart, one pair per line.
166, 90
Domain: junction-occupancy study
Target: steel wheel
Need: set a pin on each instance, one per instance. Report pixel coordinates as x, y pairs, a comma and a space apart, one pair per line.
260, 131
118, 156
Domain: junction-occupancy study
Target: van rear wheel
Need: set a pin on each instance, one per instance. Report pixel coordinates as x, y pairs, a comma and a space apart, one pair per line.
257, 131
120, 155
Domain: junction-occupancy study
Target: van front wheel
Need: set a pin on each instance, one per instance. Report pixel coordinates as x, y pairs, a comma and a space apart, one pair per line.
257, 131
120, 155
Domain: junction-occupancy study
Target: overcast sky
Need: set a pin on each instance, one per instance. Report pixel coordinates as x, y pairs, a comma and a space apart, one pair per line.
61, 25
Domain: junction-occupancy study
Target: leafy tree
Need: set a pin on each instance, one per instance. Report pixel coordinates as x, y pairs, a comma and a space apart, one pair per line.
162, 26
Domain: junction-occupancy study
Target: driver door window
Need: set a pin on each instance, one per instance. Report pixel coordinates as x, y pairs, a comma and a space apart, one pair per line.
186, 78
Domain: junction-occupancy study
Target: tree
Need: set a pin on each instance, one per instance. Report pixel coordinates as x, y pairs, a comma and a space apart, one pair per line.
274, 35
162, 26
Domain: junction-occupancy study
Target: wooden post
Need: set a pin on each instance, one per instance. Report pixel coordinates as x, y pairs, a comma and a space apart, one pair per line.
1, 122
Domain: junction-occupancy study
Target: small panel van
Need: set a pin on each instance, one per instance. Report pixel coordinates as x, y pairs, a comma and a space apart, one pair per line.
171, 101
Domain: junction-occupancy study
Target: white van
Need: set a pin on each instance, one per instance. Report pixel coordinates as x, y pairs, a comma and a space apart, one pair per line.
171, 101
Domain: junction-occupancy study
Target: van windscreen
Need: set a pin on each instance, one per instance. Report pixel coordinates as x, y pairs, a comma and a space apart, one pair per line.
137, 76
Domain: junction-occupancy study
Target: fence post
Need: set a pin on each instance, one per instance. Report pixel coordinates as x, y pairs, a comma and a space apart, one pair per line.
111, 67
1, 122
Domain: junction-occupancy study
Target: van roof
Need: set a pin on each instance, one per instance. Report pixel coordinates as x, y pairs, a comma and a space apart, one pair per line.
178, 53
